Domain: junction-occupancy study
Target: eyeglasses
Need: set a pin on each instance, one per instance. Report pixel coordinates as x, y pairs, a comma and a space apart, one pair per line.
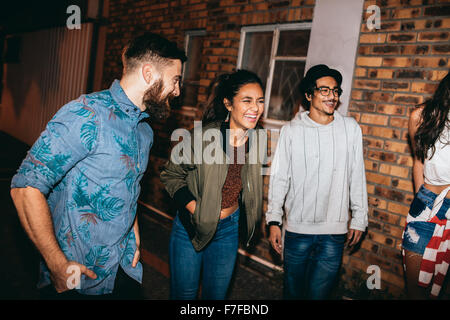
325, 91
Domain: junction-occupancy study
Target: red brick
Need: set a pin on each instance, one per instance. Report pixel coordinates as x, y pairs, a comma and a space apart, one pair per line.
386, 49
378, 96
382, 132
370, 246
406, 13
436, 11
433, 36
398, 208
402, 37
410, 74
410, 49
385, 216
378, 178
357, 106
397, 62
441, 49
434, 62
360, 72
402, 184
377, 203
395, 86
423, 87
372, 38
369, 61
380, 238
407, 99
399, 122
374, 119
366, 84
381, 73
394, 146
390, 194
370, 165
381, 155
391, 109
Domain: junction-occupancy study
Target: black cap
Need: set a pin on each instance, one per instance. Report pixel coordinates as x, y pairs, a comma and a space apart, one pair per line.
317, 72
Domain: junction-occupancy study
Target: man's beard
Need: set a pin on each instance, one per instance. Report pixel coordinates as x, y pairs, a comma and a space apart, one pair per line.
157, 106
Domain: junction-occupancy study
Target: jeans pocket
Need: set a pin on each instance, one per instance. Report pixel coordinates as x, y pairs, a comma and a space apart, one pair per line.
294, 235
417, 206
338, 238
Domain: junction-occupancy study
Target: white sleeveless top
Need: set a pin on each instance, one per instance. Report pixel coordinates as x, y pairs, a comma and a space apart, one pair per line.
437, 169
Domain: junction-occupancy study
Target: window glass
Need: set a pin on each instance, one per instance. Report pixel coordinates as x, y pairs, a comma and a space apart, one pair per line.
285, 95
293, 43
277, 54
192, 69
256, 55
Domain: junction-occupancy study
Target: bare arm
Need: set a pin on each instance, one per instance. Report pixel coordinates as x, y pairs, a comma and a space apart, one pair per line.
34, 214
137, 254
35, 217
413, 124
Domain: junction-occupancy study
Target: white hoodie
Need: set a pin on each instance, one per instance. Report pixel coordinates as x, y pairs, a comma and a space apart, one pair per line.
318, 173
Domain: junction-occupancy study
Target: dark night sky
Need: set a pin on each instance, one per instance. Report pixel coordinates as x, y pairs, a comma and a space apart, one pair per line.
20, 16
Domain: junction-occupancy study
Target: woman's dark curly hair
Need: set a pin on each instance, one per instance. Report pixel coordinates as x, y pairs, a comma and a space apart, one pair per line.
226, 86
434, 119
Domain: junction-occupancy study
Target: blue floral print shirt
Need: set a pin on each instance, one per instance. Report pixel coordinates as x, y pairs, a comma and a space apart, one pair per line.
88, 162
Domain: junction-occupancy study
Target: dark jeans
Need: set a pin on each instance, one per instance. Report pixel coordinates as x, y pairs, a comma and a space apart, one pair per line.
311, 264
125, 288
216, 261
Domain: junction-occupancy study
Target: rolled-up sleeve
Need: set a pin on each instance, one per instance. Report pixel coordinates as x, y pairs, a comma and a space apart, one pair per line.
69, 137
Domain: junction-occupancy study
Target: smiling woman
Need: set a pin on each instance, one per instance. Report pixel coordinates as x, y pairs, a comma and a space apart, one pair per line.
205, 233
226, 89
246, 107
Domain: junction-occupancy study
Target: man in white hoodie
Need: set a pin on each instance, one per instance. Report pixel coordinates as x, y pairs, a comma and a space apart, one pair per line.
317, 174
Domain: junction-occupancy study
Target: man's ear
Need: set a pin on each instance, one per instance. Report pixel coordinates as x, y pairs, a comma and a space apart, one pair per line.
308, 96
149, 73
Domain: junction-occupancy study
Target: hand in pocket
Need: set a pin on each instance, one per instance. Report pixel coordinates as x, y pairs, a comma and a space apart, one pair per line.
191, 206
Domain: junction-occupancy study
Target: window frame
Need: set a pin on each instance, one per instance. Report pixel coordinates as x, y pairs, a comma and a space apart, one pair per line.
188, 34
276, 29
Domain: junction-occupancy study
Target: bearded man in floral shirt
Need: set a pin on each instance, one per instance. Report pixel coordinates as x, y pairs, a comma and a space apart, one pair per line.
76, 191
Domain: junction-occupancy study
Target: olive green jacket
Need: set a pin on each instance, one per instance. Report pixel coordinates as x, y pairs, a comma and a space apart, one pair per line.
201, 179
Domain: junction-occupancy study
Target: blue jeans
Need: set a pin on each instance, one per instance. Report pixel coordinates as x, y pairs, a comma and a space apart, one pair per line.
311, 264
215, 262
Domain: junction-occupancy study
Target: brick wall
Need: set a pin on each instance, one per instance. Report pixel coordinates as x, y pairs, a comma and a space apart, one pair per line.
397, 67
222, 20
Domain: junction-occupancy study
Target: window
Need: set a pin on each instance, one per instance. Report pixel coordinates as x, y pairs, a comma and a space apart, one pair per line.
277, 53
192, 67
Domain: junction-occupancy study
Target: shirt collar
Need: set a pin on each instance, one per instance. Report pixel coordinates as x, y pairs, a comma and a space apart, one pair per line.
125, 103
